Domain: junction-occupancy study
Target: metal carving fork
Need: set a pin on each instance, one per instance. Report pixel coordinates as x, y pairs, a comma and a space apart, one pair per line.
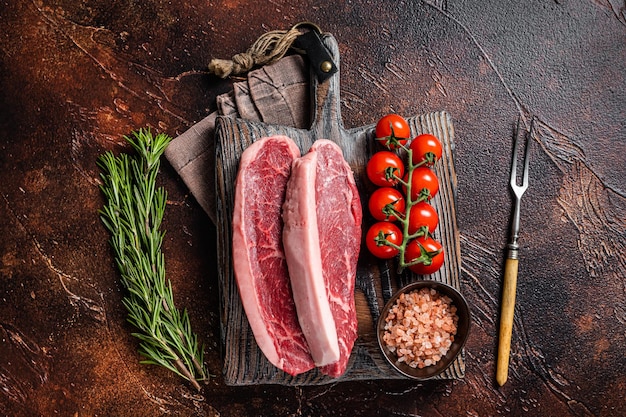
511, 264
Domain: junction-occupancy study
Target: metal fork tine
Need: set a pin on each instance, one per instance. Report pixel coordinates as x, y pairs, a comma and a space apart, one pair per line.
526, 156
514, 161
524, 134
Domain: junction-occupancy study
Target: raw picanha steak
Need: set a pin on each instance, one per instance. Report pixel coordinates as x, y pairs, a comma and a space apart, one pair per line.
304, 260
258, 257
337, 230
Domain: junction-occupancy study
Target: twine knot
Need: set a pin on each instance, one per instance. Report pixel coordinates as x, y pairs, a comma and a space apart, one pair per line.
270, 47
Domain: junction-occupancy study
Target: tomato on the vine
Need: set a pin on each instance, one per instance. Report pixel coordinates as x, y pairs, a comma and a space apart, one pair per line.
423, 214
387, 231
423, 178
384, 168
433, 258
426, 147
381, 198
392, 126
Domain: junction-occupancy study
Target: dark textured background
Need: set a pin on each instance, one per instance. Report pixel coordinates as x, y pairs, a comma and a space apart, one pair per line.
77, 76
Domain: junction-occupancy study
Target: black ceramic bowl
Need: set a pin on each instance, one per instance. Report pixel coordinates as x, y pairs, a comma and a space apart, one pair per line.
463, 327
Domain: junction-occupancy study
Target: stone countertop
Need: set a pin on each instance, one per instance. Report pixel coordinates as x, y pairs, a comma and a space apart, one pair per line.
75, 77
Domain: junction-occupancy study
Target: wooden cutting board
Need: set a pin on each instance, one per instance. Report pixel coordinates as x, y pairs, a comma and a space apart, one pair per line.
244, 363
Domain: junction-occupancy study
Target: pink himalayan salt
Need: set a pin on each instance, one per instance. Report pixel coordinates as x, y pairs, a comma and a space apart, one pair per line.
420, 327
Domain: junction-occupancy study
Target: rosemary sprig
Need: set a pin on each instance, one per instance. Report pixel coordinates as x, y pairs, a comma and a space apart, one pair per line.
133, 213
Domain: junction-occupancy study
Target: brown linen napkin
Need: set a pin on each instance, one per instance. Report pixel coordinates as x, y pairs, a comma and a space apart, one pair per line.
274, 94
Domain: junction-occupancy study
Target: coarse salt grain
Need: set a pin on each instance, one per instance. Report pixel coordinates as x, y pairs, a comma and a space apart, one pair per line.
420, 327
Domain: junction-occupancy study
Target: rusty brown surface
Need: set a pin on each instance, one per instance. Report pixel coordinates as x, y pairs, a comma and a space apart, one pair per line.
77, 76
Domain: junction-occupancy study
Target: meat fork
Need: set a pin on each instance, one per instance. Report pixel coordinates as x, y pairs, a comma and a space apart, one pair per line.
511, 264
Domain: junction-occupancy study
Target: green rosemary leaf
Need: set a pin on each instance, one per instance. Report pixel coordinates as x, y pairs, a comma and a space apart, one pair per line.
133, 214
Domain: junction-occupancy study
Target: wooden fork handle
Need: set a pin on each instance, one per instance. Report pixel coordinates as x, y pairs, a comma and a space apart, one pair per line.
506, 319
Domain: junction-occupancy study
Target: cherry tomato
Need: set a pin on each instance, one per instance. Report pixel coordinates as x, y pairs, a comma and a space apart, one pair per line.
423, 178
390, 232
423, 214
392, 126
433, 259
381, 198
383, 163
425, 147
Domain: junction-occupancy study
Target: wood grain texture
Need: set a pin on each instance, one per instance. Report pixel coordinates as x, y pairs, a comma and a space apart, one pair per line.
506, 319
244, 363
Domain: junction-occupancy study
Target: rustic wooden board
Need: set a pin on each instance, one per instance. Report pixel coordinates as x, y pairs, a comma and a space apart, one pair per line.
244, 363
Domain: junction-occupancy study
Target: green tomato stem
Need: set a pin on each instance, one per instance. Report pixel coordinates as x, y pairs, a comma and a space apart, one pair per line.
390, 210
